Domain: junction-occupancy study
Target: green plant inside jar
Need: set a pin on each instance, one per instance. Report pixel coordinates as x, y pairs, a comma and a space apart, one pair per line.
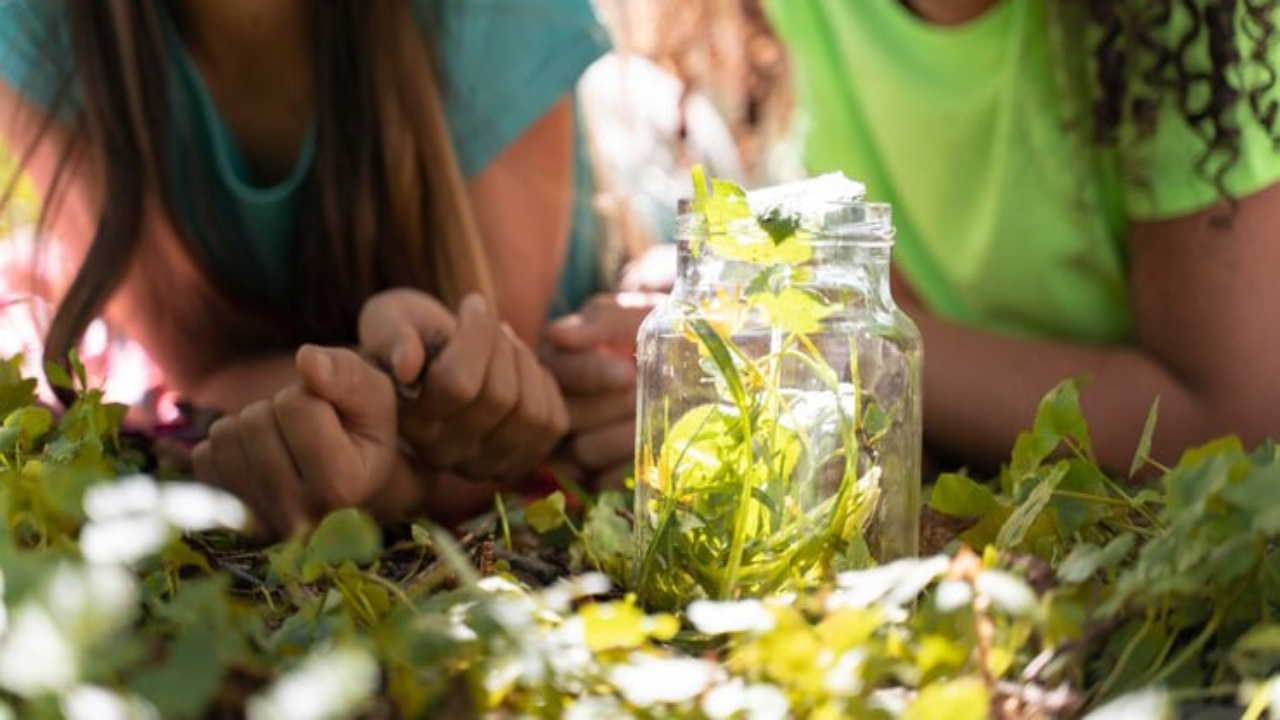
772, 484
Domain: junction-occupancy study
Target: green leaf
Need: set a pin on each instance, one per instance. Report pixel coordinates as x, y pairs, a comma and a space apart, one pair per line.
793, 311
779, 226
608, 534
1016, 528
962, 699
77, 367
57, 376
721, 203
1057, 418
31, 423
1144, 441
347, 535
734, 233
15, 391
1087, 559
421, 535
719, 352
961, 496
547, 514
1257, 653
184, 682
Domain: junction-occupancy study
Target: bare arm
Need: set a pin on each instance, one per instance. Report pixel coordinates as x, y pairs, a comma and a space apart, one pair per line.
1206, 305
523, 203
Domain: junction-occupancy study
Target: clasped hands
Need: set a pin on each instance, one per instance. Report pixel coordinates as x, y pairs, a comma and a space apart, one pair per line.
485, 409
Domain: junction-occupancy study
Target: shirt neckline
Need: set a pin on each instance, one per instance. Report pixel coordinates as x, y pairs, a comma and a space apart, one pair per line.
232, 164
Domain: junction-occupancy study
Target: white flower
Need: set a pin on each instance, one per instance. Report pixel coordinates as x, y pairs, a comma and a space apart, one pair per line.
132, 495
89, 702
193, 507
1010, 594
90, 602
1148, 704
648, 681
35, 656
124, 540
559, 596
895, 583
754, 702
499, 585
328, 684
721, 618
952, 595
844, 677
134, 517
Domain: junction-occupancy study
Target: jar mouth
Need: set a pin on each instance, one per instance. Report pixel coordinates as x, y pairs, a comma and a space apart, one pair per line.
829, 225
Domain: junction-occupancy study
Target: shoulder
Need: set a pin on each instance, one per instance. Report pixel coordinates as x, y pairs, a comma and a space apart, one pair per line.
34, 48
1216, 130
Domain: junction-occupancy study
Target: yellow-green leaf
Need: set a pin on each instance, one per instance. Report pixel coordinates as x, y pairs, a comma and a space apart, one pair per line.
963, 699
547, 514
793, 310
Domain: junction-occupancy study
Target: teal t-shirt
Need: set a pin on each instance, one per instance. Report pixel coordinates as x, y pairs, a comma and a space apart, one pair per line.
505, 65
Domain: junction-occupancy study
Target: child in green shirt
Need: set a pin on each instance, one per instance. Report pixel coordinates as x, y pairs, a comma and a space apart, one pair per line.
1080, 188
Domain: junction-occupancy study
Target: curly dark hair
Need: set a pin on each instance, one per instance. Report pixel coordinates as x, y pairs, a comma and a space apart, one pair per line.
1210, 57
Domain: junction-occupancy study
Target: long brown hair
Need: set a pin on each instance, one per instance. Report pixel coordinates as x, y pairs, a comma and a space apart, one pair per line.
385, 204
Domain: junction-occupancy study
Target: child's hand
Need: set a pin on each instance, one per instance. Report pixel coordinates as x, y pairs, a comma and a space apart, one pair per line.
326, 444
485, 407
592, 355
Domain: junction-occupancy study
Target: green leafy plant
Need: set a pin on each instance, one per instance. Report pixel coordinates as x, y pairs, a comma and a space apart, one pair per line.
126, 596
758, 491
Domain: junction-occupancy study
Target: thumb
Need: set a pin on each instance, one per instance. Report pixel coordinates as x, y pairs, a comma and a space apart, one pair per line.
397, 326
361, 394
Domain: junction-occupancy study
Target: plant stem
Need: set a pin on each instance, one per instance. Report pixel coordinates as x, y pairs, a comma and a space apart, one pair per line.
1125, 654
1193, 648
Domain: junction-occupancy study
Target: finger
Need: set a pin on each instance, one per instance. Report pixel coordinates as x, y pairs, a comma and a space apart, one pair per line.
590, 412
604, 448
233, 469
590, 371
456, 378
203, 468
606, 320
613, 479
497, 398
558, 420
270, 461
395, 327
515, 445
361, 395
325, 455
206, 472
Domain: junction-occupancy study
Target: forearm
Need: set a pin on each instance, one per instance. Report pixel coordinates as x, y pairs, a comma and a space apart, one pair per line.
981, 389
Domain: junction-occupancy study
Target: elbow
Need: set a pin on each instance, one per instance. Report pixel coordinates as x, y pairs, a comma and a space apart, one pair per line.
1248, 416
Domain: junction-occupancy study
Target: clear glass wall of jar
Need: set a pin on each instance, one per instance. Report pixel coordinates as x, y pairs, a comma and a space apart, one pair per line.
779, 417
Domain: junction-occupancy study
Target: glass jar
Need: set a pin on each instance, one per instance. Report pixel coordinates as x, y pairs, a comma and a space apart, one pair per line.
779, 417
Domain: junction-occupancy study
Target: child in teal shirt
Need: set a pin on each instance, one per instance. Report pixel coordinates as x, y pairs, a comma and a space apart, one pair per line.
239, 179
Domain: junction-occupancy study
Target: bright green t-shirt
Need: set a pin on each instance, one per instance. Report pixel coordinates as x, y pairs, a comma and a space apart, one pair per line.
1008, 216
505, 64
